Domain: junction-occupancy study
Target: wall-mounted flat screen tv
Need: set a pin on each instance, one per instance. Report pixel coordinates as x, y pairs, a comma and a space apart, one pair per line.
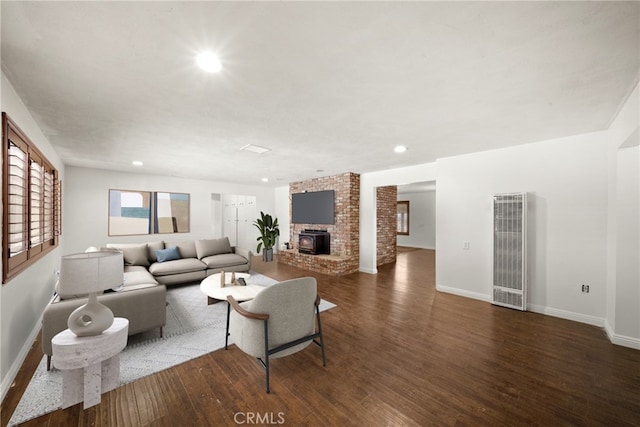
314, 207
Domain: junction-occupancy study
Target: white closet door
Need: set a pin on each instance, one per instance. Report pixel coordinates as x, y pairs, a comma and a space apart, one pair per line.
245, 222
230, 217
241, 202
239, 213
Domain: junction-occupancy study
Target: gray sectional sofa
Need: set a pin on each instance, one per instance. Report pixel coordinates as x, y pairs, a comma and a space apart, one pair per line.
149, 268
195, 259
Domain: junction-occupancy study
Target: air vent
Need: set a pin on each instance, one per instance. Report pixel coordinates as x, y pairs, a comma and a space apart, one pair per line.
255, 149
509, 250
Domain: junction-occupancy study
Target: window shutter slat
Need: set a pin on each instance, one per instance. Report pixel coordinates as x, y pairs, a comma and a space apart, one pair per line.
17, 162
35, 187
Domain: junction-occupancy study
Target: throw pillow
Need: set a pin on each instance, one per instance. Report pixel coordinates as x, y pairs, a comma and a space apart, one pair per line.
168, 254
209, 247
153, 246
187, 248
134, 254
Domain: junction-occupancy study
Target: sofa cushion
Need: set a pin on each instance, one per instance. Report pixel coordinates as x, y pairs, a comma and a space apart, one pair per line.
137, 276
187, 249
224, 260
153, 247
184, 265
134, 253
168, 254
209, 247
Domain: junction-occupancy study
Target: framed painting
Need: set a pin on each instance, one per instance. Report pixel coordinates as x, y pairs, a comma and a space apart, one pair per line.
129, 212
134, 212
171, 212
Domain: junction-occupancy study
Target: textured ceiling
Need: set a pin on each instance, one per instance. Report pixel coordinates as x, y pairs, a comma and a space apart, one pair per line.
329, 87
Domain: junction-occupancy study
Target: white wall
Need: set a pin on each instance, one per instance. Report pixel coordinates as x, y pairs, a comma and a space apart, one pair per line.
368, 218
86, 201
282, 203
627, 308
566, 180
422, 220
623, 255
23, 298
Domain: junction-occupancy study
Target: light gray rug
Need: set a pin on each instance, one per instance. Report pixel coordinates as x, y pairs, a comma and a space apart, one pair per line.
193, 329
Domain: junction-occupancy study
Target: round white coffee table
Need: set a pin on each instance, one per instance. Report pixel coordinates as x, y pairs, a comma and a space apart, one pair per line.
211, 288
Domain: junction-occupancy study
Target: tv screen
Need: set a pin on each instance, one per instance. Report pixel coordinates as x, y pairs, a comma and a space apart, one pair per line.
313, 207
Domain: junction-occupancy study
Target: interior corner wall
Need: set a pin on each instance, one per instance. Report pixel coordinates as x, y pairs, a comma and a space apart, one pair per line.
566, 182
23, 298
623, 255
627, 295
422, 220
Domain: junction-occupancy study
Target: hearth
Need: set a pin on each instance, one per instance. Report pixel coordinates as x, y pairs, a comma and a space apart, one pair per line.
314, 242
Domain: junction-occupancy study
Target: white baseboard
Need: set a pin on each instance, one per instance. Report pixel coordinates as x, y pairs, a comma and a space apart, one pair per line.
463, 293
7, 381
616, 339
418, 247
621, 340
569, 315
369, 270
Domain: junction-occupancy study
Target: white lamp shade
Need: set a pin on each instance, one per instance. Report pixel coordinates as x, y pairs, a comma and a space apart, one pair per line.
90, 272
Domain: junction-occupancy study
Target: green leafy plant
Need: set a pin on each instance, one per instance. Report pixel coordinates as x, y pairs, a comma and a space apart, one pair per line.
269, 231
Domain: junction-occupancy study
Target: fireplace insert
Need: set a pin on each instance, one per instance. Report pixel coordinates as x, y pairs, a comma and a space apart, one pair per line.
314, 242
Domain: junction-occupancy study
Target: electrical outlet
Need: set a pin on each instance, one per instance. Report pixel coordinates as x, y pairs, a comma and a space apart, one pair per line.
585, 289
466, 245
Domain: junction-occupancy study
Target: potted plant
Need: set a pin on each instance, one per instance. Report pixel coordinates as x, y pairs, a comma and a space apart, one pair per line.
269, 232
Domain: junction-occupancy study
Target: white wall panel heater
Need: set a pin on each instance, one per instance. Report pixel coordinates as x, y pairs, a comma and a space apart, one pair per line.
509, 250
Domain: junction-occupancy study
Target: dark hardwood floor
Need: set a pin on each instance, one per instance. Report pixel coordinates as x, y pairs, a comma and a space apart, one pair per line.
398, 353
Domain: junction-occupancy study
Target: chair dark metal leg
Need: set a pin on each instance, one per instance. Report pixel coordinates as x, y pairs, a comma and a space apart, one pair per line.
266, 352
226, 334
324, 360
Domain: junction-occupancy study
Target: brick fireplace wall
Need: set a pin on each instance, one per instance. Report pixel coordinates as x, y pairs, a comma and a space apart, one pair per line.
345, 232
386, 210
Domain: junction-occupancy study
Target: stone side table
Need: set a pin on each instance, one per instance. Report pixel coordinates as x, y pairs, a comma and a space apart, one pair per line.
90, 365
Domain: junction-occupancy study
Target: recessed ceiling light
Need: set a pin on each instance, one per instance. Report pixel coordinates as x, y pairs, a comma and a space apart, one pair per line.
137, 163
265, 179
209, 62
400, 149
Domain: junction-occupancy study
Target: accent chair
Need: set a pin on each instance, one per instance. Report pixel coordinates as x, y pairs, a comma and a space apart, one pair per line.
281, 320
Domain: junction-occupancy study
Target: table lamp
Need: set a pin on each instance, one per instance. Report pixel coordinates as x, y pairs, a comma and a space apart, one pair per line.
90, 272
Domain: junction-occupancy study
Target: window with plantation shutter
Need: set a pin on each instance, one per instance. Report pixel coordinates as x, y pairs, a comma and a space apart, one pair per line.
31, 197
16, 208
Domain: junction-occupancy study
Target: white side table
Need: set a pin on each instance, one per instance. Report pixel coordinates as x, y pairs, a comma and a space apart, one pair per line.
90, 365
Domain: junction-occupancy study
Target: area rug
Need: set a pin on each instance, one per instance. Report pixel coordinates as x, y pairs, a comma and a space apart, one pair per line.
193, 329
